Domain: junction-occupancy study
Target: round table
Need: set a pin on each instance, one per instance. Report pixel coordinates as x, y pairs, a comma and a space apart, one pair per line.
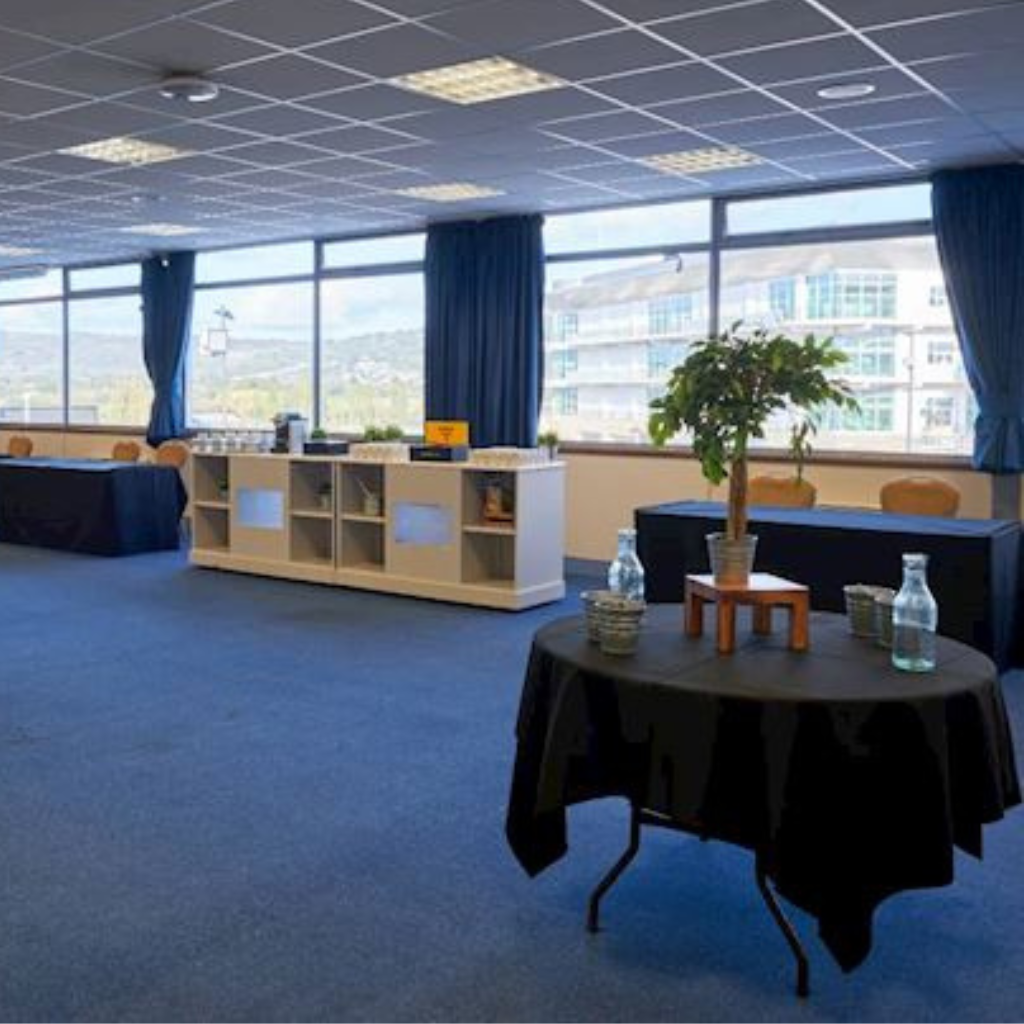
848, 779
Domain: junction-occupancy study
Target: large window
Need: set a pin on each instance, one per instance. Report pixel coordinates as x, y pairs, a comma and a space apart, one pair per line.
628, 291
875, 298
107, 377
251, 355
614, 330
371, 354
32, 363
615, 326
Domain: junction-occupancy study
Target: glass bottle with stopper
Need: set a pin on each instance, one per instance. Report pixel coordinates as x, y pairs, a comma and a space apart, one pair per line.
915, 617
626, 573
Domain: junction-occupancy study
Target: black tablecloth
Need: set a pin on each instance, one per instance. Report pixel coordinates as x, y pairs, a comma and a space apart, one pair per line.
100, 508
852, 781
973, 566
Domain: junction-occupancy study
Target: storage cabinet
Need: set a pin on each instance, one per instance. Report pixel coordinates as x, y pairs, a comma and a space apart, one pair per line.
452, 532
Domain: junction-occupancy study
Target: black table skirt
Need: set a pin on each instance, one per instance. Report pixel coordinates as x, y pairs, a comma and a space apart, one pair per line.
850, 780
99, 508
973, 569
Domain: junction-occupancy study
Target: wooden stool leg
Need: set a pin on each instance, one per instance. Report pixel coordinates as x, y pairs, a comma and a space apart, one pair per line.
762, 619
694, 615
726, 626
799, 624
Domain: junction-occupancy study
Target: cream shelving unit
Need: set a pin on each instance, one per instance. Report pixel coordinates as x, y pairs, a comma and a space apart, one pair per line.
410, 528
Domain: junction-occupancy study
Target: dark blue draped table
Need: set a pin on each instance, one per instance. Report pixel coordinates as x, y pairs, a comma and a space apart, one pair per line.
973, 568
94, 507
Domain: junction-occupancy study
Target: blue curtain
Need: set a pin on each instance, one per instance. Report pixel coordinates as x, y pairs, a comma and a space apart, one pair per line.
166, 323
484, 328
979, 225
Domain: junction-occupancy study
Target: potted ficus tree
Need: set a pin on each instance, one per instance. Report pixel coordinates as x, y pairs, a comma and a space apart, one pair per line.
724, 393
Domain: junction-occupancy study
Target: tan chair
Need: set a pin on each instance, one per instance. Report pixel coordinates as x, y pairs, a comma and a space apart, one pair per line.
920, 496
781, 491
172, 453
126, 451
20, 447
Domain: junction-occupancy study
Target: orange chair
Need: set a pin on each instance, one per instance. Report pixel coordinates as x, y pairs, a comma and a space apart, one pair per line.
126, 451
920, 496
172, 453
781, 491
20, 447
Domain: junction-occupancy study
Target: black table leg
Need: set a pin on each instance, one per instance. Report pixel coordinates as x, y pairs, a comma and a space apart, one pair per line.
803, 970
594, 907
638, 817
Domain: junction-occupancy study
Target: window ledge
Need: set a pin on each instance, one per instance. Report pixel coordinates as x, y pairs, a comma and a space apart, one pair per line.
74, 428
901, 460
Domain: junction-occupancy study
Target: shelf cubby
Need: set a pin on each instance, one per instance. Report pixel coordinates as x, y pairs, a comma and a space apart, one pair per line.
211, 528
211, 479
362, 544
489, 559
312, 488
312, 540
484, 489
357, 481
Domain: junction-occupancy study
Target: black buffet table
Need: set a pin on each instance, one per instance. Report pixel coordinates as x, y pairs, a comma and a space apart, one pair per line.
94, 507
849, 780
973, 566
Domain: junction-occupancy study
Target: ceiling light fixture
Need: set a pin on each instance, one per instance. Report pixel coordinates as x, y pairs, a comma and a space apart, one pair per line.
478, 81
849, 91
188, 89
124, 150
18, 250
702, 161
161, 230
453, 192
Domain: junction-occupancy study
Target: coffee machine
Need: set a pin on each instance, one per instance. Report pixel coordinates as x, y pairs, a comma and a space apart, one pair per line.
289, 433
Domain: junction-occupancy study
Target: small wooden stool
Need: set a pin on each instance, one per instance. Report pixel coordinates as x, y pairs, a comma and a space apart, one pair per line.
762, 592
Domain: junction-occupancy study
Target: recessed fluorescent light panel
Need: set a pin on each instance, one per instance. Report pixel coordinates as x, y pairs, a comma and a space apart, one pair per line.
849, 91
701, 161
479, 81
455, 192
18, 250
123, 150
161, 230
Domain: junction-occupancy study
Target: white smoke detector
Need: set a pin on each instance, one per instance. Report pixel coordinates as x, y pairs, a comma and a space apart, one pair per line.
188, 89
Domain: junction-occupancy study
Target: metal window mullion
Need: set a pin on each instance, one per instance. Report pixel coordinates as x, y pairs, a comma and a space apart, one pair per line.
718, 224
66, 346
317, 384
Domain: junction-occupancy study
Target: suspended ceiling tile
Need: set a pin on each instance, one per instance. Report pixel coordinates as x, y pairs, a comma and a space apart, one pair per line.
609, 54
506, 28
835, 56
669, 84
745, 28
288, 77
281, 24
183, 46
397, 51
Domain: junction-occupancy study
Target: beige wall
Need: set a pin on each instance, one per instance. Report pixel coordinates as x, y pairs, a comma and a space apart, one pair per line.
73, 445
603, 490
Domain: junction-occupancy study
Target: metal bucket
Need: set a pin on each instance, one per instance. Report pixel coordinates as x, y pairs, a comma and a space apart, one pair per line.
732, 561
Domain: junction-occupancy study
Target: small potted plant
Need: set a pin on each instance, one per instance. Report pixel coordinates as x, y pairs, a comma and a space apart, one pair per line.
382, 444
324, 495
319, 444
724, 393
548, 440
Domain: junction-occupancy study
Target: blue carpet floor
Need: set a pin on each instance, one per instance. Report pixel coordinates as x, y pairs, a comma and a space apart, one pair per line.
225, 798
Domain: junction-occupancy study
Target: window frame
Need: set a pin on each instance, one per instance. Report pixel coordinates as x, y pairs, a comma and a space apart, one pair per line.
722, 241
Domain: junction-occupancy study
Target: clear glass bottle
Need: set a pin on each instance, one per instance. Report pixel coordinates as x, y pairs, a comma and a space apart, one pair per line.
626, 573
915, 617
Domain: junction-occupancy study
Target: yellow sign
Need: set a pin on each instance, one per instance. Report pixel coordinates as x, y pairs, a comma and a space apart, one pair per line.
447, 432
